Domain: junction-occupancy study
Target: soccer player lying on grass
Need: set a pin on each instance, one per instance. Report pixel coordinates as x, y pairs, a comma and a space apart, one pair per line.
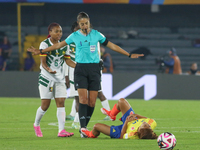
134, 126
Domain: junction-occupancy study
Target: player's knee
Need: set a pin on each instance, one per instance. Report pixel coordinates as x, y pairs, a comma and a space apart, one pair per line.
96, 126
83, 100
44, 107
121, 100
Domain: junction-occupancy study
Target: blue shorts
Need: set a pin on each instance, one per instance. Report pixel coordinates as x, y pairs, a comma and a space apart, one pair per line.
115, 131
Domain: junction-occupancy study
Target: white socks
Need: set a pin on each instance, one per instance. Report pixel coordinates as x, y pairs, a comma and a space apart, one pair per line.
105, 104
39, 114
76, 118
61, 118
73, 109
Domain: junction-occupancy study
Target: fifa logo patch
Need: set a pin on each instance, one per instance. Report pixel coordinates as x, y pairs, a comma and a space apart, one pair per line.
92, 48
50, 89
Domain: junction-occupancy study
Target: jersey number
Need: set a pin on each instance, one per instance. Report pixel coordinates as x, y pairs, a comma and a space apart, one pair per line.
56, 62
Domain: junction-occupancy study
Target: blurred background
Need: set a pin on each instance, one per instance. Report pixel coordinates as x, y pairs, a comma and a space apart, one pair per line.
152, 27
130, 24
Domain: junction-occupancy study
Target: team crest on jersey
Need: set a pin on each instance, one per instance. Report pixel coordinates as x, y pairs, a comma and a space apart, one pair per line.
50, 89
73, 49
132, 128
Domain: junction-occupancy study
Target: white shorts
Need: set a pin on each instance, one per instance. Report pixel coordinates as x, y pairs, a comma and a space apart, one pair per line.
73, 92
53, 90
101, 87
101, 83
71, 74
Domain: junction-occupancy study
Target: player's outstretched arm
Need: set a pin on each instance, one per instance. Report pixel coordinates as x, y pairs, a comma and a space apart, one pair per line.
35, 51
118, 49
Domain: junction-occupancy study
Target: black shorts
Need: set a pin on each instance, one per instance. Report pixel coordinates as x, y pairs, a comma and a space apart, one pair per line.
87, 76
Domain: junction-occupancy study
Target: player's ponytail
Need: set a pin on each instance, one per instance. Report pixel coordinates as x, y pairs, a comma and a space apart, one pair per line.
82, 15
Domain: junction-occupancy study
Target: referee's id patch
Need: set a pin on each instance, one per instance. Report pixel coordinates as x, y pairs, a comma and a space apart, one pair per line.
92, 48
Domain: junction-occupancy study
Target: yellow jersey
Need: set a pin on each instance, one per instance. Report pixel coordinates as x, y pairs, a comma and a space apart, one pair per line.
133, 126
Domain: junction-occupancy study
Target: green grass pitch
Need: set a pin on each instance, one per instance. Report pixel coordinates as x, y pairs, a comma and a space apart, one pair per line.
180, 117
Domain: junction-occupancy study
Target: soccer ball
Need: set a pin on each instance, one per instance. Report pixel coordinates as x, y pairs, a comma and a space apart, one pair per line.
166, 141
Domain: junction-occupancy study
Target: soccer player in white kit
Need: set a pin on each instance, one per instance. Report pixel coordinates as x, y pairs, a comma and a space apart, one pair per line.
52, 80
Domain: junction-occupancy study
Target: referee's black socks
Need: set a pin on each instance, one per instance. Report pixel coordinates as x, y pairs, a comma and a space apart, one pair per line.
83, 114
89, 114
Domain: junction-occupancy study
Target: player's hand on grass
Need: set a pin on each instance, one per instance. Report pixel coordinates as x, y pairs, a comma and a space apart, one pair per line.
136, 55
33, 50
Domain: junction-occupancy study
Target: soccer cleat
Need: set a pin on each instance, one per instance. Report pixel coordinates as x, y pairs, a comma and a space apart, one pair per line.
107, 112
82, 135
107, 118
75, 125
87, 133
64, 133
38, 132
69, 117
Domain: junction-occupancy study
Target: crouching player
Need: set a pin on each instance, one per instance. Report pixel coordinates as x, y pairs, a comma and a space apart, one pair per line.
134, 126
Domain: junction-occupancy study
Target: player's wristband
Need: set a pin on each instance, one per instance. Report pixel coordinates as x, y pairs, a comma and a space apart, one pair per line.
129, 55
41, 51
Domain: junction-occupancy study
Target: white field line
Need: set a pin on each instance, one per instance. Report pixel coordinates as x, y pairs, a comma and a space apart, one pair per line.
180, 131
179, 127
186, 131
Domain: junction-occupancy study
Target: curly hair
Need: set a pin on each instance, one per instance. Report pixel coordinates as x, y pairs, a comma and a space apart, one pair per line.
147, 134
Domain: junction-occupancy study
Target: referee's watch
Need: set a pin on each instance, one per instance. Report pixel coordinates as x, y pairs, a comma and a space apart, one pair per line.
129, 55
